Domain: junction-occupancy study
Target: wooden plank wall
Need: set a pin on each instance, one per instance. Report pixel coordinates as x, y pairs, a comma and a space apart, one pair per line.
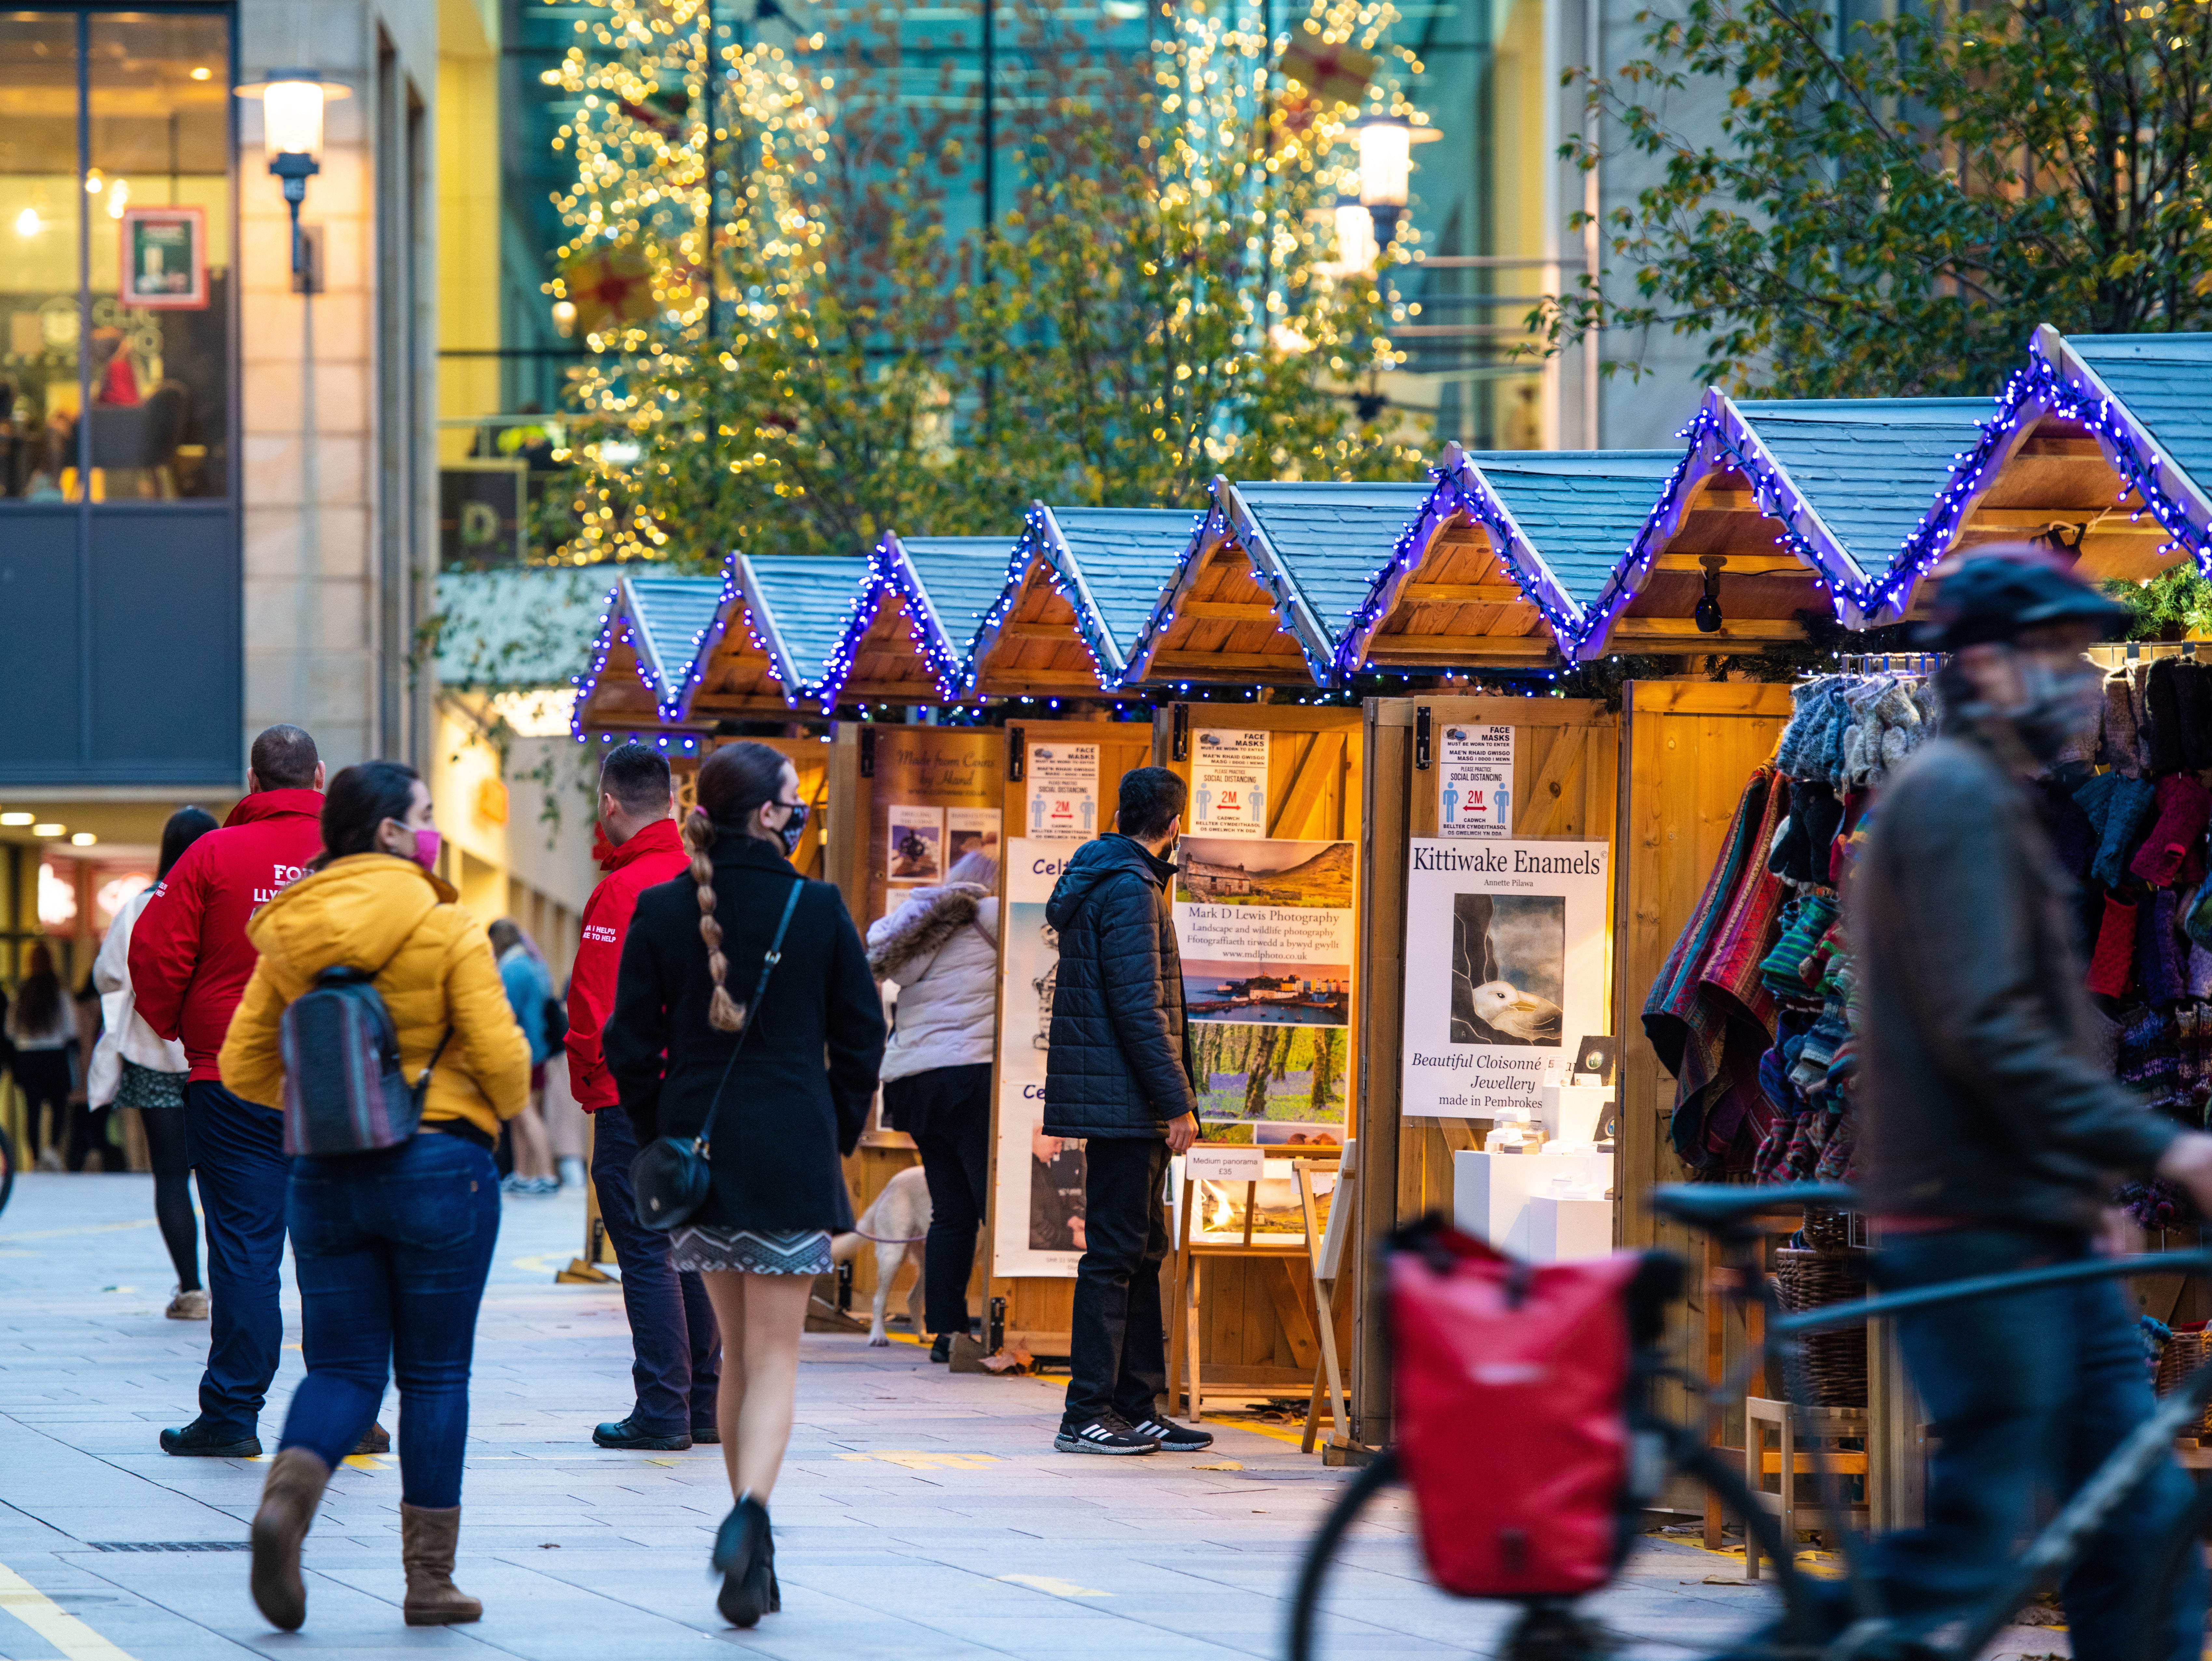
1688, 750
1566, 775
1256, 1330
1040, 1312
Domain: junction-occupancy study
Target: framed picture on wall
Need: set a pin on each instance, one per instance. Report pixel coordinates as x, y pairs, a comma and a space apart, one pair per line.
164, 259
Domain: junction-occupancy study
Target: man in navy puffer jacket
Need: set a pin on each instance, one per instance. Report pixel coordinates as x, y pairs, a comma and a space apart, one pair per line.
1114, 1076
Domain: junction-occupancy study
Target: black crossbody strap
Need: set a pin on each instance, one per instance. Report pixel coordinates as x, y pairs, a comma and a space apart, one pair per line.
700, 1143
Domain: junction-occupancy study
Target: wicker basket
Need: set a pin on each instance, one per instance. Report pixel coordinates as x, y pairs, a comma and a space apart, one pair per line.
2184, 1354
1835, 1362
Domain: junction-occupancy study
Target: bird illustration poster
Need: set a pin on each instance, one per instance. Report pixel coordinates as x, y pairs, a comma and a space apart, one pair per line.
1037, 1210
1505, 968
1474, 782
1229, 783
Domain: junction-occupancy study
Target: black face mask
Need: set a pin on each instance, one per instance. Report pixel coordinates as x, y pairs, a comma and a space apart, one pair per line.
792, 828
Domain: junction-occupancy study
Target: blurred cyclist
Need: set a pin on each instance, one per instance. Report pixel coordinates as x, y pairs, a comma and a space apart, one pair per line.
1992, 1130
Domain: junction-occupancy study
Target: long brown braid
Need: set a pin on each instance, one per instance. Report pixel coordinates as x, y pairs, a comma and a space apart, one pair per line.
734, 784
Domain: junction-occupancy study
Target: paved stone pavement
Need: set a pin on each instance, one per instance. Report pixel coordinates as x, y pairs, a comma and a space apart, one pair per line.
920, 1514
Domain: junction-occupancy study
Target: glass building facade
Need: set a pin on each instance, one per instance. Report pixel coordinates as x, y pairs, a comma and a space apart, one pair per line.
118, 530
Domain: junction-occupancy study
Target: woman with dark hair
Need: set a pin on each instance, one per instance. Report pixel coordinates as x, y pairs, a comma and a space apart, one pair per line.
42, 1026
134, 1067
795, 1099
941, 948
392, 1247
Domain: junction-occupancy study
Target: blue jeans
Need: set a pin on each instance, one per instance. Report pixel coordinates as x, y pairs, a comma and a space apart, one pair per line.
392, 1249
238, 1149
2029, 1393
675, 1348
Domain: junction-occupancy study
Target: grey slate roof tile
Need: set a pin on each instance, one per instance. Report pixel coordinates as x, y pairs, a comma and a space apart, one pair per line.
1333, 538
1128, 557
1580, 509
1868, 466
2166, 382
961, 578
810, 597
674, 614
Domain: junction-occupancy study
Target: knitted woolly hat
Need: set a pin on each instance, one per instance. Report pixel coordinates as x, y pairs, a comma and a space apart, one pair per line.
2199, 971
2162, 699
2119, 807
2118, 741
1838, 729
1809, 706
2150, 1056
2072, 837
2112, 965
2159, 963
2184, 807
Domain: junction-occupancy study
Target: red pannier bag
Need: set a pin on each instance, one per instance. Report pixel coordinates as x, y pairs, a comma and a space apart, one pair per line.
1512, 1381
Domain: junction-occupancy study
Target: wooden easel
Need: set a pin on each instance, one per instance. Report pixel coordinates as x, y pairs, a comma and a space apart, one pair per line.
1189, 1257
1325, 1248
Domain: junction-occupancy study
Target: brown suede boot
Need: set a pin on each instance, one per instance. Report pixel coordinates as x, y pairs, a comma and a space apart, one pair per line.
288, 1499
427, 1540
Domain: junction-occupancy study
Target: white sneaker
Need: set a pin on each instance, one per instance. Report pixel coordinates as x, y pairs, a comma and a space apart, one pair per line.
572, 1172
50, 1159
188, 1307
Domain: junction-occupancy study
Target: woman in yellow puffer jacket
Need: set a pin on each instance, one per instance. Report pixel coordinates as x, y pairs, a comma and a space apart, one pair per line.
392, 1248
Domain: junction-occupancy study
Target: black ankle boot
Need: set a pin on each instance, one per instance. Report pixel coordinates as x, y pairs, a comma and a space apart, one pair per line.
742, 1557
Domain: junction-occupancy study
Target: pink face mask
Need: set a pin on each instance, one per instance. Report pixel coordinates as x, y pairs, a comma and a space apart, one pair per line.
427, 843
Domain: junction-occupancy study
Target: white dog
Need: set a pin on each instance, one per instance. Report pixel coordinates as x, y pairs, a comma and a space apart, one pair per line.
894, 1224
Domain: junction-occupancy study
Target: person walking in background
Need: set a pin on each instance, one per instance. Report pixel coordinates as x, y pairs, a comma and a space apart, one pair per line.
41, 1027
94, 1131
675, 1350
136, 1068
941, 949
797, 1099
190, 960
1114, 1075
529, 989
391, 1246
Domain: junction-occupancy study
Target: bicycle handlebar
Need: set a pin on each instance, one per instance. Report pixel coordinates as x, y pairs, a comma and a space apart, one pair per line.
1986, 1286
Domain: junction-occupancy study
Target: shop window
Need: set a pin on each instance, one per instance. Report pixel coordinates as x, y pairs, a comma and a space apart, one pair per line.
115, 256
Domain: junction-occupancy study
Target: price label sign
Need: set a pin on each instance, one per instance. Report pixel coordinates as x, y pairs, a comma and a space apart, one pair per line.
1224, 1163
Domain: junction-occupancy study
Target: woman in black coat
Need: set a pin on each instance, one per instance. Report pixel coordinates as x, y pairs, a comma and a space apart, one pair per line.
797, 1098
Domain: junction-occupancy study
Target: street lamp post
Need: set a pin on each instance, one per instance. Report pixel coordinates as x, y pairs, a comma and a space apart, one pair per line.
292, 103
1386, 171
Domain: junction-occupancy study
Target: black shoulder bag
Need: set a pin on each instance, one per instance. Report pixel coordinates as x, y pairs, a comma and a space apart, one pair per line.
670, 1176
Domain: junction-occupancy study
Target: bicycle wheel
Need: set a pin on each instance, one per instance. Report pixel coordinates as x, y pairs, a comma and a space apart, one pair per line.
6, 1167
1342, 1516
2170, 1562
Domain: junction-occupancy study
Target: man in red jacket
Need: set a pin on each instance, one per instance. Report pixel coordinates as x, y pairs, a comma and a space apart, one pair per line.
190, 961
676, 1349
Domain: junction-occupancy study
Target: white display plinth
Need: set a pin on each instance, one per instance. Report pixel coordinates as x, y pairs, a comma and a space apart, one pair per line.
1491, 1192
1571, 1113
1569, 1231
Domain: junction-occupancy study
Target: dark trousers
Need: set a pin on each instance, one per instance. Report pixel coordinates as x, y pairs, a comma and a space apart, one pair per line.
675, 1348
44, 1078
392, 1249
2029, 1393
955, 1144
88, 1138
1118, 1351
238, 1150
